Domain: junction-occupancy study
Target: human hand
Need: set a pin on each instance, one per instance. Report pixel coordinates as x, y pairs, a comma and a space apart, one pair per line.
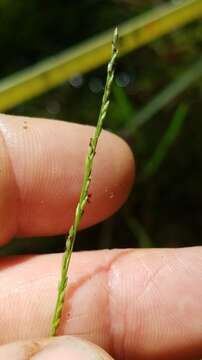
135, 304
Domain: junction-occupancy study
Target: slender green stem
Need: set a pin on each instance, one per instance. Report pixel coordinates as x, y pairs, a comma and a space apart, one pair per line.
70, 238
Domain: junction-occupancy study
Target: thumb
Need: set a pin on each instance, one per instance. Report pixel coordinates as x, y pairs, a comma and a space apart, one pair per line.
63, 348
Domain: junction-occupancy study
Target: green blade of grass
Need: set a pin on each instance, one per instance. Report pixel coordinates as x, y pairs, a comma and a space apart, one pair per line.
165, 143
121, 109
138, 231
94, 52
162, 99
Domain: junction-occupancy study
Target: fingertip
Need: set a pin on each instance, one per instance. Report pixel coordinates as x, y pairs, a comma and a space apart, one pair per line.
8, 195
64, 347
43, 165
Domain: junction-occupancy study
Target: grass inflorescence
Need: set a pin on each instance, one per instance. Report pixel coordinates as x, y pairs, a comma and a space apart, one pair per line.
84, 195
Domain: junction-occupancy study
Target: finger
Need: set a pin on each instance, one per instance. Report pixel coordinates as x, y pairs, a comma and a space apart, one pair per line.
136, 304
42, 163
63, 348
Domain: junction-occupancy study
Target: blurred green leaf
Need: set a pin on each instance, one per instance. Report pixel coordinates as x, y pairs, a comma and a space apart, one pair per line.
162, 99
165, 143
94, 52
138, 231
121, 109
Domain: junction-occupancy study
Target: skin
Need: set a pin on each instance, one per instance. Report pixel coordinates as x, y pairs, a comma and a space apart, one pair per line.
134, 304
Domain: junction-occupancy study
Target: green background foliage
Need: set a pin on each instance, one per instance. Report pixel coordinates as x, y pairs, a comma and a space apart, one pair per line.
156, 106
